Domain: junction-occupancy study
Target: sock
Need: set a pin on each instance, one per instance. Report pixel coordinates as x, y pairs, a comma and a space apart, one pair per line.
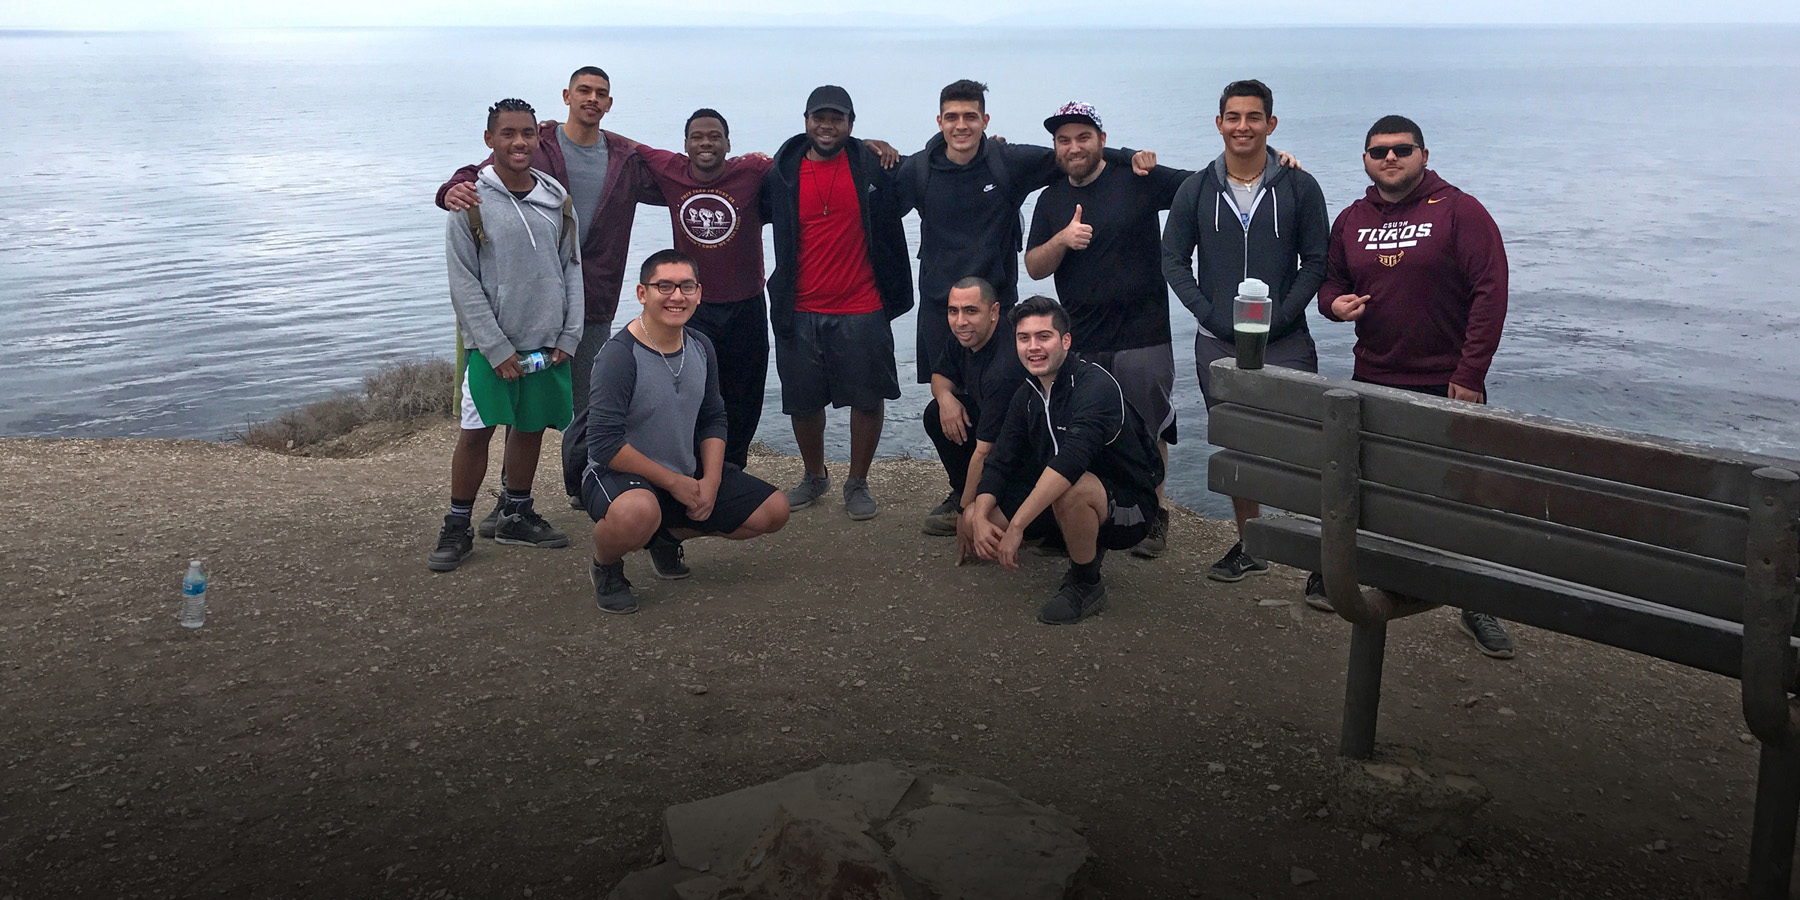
1087, 572
462, 509
512, 501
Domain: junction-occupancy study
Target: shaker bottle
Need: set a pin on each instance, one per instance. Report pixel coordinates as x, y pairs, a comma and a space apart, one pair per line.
1250, 322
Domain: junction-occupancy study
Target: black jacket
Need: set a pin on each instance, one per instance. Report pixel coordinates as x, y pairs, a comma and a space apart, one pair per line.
1084, 425
1284, 246
883, 234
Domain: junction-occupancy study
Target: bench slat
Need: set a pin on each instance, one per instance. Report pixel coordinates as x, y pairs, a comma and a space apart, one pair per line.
1675, 467
1690, 639
1671, 578
1673, 521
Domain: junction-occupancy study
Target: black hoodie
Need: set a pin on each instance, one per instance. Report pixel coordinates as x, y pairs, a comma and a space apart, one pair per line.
1082, 424
883, 235
1284, 245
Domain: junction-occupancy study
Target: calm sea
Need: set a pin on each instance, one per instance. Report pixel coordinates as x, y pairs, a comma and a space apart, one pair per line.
204, 229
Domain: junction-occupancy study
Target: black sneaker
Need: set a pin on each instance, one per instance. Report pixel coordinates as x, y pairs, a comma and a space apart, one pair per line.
941, 521
1315, 593
486, 528
528, 529
1074, 601
667, 557
1488, 635
1157, 541
455, 543
1236, 564
612, 592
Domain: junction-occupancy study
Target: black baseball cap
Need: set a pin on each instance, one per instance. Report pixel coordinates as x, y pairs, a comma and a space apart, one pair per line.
829, 96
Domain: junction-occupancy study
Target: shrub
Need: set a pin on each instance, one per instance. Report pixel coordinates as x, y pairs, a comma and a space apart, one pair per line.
397, 392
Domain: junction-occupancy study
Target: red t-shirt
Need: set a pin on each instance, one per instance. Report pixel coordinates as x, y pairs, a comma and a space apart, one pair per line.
716, 222
835, 275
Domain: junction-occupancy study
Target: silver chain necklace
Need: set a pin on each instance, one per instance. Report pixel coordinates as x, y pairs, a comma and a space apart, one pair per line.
674, 372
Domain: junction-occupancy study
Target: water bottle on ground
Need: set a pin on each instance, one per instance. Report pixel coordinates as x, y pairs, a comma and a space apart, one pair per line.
1250, 322
193, 596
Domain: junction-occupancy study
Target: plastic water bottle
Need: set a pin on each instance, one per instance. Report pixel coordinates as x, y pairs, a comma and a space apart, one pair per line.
193, 596
535, 361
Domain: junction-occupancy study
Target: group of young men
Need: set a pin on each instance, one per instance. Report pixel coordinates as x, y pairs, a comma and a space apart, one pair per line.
1056, 428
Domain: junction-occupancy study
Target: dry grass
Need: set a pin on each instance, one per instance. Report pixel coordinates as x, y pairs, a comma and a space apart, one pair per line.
398, 392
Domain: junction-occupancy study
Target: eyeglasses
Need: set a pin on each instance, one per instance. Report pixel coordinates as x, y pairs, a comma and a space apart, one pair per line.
668, 288
1401, 151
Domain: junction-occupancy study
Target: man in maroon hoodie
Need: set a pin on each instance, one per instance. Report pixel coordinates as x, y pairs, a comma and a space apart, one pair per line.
606, 181
1419, 267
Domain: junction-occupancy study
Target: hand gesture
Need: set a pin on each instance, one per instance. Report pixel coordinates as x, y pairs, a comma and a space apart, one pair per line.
954, 418
509, 368
687, 492
1143, 161
1349, 307
703, 509
1075, 235
461, 196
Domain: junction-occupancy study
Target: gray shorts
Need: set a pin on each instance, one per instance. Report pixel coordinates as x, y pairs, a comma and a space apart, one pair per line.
1147, 376
840, 360
1296, 351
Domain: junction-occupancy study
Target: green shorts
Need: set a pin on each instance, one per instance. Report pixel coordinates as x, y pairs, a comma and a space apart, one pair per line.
536, 401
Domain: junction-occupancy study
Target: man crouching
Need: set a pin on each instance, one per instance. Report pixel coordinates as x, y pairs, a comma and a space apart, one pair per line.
656, 472
1072, 456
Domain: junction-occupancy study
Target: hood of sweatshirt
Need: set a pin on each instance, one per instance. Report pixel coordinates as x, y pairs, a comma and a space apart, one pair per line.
548, 194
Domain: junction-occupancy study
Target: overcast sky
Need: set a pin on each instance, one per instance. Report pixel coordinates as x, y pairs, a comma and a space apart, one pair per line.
181, 14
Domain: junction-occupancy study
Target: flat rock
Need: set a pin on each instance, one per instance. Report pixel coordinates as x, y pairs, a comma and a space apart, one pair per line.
1403, 795
813, 850
989, 854
707, 835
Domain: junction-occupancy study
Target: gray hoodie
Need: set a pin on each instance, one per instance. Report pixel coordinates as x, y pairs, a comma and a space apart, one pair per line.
521, 289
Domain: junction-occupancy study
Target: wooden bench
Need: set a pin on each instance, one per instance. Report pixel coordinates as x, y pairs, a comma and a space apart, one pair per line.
1680, 551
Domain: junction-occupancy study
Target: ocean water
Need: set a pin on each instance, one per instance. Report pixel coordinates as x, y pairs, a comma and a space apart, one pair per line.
202, 230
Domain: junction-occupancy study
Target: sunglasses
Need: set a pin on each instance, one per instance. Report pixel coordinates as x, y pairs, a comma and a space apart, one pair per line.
1401, 151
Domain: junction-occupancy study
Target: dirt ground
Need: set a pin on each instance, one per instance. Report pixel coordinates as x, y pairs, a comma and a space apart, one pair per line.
349, 724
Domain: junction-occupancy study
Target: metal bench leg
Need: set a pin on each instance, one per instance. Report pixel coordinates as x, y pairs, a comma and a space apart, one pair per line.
1772, 837
1362, 690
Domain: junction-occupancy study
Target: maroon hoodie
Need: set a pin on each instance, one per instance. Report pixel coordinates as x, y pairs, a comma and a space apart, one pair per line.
1435, 271
608, 234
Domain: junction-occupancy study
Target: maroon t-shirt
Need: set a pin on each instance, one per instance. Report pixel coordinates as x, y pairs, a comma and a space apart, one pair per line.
715, 222
835, 275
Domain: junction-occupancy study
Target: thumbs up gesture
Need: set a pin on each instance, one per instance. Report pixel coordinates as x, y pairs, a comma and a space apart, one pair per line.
1075, 235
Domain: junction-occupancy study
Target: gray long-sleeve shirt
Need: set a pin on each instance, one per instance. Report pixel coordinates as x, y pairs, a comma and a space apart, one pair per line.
520, 290
663, 405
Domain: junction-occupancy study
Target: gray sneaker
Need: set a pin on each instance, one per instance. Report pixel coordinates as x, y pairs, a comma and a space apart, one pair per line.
487, 525
809, 490
858, 504
941, 521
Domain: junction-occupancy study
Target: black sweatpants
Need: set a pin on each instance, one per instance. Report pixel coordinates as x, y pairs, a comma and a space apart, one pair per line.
954, 456
739, 331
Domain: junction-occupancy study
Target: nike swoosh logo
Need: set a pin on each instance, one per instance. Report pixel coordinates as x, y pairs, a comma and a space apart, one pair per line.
988, 188
1434, 200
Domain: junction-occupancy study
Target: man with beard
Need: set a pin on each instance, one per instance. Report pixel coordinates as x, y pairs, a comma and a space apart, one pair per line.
1419, 266
841, 275
973, 383
1097, 230
598, 170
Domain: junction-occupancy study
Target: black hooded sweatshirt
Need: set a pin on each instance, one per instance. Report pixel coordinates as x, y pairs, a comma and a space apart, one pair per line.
1284, 245
1082, 424
883, 234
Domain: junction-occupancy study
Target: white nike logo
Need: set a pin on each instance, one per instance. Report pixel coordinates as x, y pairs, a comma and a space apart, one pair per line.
988, 188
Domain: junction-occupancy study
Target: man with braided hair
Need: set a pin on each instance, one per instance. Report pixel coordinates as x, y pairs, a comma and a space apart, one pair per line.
516, 285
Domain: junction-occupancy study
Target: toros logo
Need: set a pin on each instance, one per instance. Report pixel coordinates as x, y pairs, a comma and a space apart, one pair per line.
708, 218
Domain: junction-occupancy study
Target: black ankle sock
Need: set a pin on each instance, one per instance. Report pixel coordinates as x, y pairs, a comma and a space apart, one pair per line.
462, 509
512, 501
1087, 572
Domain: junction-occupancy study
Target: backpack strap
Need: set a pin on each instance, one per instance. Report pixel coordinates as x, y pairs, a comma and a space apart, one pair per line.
480, 233
570, 229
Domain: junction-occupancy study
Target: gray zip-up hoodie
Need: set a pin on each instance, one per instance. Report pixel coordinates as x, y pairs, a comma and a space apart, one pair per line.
1280, 239
521, 289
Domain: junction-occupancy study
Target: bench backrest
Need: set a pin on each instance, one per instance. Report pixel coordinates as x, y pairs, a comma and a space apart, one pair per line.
1660, 520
